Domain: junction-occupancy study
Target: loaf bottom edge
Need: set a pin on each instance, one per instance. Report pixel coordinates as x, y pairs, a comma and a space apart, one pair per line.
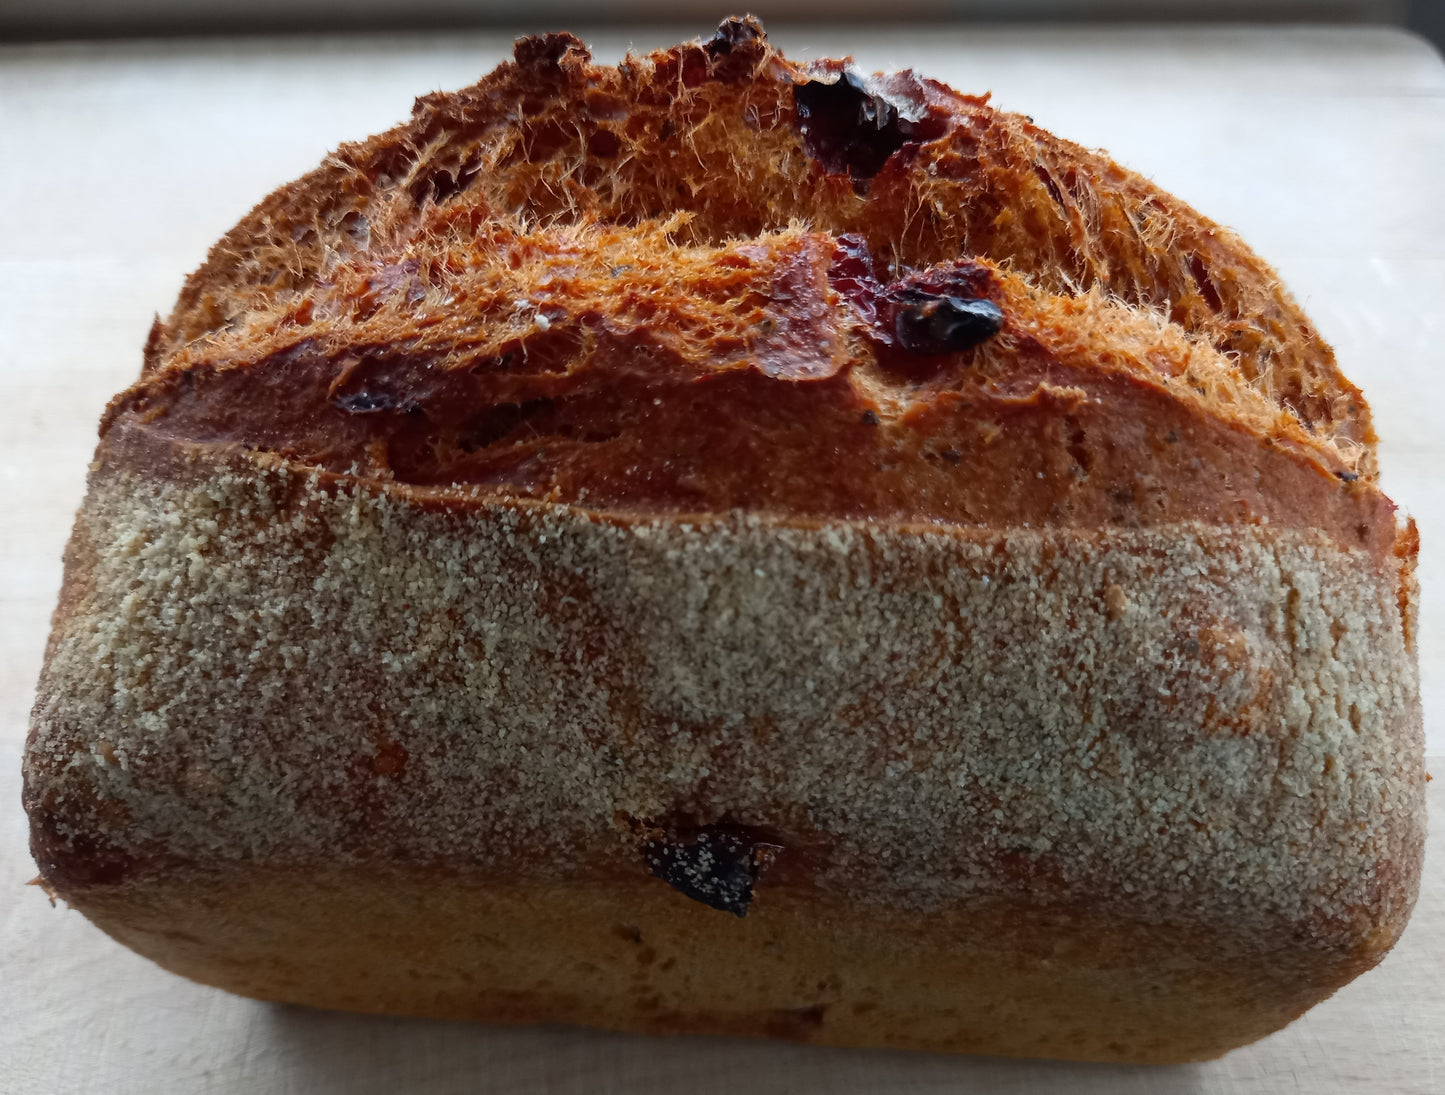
994, 977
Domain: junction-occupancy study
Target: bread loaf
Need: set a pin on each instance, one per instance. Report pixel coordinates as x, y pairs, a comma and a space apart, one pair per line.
722, 545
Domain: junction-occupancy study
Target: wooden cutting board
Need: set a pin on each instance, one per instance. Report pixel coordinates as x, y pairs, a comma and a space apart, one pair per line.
123, 162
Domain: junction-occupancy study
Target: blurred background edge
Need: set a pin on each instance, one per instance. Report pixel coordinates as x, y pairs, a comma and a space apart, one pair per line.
53, 20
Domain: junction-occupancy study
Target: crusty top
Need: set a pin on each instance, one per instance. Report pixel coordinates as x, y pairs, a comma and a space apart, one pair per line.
710, 279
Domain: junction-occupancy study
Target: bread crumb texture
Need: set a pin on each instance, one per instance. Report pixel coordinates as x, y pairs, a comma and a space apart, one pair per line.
1190, 724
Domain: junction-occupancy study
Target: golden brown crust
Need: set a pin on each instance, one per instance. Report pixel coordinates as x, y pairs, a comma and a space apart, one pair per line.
621, 484
638, 225
1077, 413
1006, 978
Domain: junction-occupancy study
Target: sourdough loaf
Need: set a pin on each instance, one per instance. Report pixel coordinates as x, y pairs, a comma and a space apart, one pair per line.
720, 545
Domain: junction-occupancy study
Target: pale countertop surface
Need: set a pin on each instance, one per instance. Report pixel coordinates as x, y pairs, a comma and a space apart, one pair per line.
122, 162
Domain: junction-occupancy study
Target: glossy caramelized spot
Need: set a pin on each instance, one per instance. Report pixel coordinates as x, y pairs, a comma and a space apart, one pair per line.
942, 324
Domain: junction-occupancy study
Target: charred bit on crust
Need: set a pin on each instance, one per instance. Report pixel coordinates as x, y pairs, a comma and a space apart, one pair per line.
851, 128
738, 45
734, 32
944, 324
717, 865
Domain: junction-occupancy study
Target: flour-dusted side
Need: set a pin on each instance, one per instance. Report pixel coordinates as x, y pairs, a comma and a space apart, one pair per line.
1187, 723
